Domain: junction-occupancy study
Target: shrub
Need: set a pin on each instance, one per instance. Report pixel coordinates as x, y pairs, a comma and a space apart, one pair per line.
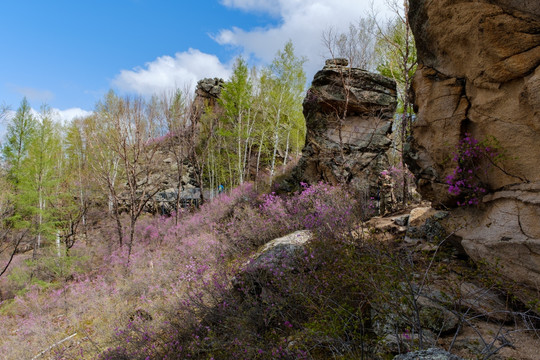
473, 158
325, 209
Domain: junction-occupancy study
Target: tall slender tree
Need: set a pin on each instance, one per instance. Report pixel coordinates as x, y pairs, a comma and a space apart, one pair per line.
40, 173
236, 99
397, 59
133, 130
20, 131
286, 89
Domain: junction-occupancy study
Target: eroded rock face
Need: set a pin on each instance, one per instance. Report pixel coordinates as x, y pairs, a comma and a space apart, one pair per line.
505, 232
206, 102
479, 74
348, 115
206, 95
164, 183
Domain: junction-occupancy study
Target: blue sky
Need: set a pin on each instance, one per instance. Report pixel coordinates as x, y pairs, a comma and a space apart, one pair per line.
68, 53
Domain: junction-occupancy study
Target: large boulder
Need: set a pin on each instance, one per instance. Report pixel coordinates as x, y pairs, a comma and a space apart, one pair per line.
479, 74
505, 232
271, 260
348, 115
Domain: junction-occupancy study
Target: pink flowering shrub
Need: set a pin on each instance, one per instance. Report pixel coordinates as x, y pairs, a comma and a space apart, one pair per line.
179, 273
326, 209
250, 320
472, 158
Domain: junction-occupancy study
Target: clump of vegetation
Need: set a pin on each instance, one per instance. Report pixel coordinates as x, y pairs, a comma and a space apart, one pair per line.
473, 159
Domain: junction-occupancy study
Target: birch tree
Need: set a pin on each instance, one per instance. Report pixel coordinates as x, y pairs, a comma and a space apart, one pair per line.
77, 184
176, 111
356, 44
236, 99
103, 161
286, 85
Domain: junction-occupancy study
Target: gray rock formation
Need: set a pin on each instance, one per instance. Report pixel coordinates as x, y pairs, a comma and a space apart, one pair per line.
278, 254
429, 354
164, 185
479, 74
206, 95
348, 115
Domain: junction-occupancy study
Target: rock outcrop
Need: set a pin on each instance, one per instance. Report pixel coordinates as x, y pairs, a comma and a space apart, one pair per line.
206, 96
348, 115
479, 74
164, 181
277, 255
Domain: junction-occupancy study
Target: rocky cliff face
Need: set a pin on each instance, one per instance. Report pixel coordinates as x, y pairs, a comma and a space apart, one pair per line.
348, 115
479, 74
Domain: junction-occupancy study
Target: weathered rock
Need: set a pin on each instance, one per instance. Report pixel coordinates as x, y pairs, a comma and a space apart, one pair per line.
425, 223
348, 115
419, 215
386, 225
206, 95
404, 342
279, 252
429, 354
436, 317
506, 233
164, 183
401, 220
483, 302
275, 256
395, 319
479, 74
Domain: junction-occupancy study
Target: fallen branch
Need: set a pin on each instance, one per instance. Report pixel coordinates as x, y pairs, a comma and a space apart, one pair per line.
53, 346
13, 253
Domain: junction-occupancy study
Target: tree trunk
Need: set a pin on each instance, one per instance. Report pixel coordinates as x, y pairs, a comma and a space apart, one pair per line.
287, 149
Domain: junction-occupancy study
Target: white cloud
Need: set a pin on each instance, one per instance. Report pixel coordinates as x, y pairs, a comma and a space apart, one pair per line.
302, 21
67, 115
62, 116
166, 73
33, 94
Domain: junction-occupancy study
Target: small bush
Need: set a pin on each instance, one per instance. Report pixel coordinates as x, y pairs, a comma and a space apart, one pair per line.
473, 158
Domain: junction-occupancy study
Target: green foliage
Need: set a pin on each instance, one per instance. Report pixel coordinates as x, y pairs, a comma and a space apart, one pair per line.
262, 121
20, 131
397, 56
41, 171
286, 83
35, 159
47, 271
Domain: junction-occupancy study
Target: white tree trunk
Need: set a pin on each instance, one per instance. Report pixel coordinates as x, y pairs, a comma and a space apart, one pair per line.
58, 253
287, 149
